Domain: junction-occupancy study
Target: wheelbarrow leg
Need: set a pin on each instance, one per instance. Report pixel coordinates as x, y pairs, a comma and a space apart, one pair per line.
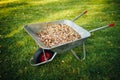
84, 53
75, 55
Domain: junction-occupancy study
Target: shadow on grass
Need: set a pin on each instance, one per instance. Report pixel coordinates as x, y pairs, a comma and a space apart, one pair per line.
14, 56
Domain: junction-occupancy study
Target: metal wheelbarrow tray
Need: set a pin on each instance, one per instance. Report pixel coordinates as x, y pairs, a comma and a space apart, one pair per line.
31, 29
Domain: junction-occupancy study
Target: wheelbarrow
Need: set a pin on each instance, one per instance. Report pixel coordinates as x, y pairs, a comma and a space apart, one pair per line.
46, 54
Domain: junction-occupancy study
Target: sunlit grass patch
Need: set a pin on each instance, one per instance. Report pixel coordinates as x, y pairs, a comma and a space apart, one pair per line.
12, 33
42, 2
7, 1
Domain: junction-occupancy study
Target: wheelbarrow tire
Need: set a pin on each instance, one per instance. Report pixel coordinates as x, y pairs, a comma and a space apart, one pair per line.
39, 53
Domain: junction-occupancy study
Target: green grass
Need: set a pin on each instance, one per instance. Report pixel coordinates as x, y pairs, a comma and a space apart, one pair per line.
17, 47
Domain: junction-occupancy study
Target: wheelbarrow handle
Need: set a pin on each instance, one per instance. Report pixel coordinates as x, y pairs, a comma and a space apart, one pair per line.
103, 27
84, 12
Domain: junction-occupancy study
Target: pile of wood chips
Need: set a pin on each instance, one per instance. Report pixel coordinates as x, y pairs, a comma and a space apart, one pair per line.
57, 34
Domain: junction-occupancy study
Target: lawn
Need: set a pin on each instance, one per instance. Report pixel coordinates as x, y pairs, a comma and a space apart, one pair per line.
17, 47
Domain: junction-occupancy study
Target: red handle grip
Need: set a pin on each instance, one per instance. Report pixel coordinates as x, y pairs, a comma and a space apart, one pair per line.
111, 25
85, 11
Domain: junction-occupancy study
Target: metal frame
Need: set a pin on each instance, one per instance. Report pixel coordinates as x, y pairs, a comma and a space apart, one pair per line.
84, 53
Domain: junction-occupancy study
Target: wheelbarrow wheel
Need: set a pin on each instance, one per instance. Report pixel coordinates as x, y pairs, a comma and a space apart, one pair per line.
39, 56
42, 57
